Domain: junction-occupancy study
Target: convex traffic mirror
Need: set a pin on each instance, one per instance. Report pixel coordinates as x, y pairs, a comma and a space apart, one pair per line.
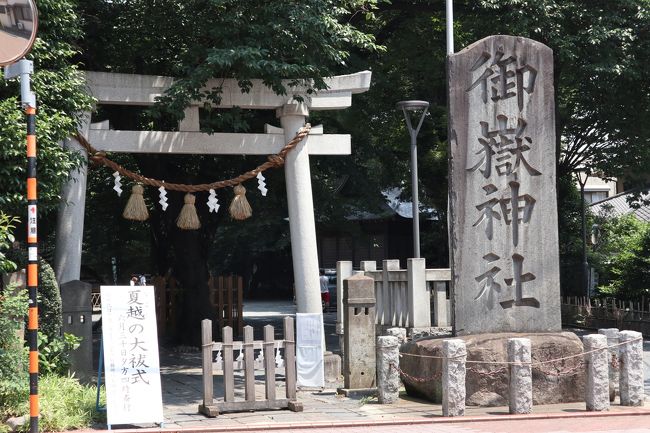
18, 23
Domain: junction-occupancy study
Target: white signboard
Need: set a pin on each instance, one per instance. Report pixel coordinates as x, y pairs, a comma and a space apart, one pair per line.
309, 350
133, 393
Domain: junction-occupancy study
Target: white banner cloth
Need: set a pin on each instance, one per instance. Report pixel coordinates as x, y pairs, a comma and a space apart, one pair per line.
309, 350
130, 338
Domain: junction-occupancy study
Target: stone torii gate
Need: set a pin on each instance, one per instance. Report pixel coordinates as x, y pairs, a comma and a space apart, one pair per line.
142, 90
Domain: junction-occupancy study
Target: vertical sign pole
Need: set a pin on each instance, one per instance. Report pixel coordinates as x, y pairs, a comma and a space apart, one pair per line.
15, 48
24, 69
32, 267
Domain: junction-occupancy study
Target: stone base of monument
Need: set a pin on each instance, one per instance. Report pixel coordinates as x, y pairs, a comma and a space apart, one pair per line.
357, 392
487, 383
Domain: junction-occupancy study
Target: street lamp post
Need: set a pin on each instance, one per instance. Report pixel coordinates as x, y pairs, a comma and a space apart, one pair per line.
582, 181
406, 107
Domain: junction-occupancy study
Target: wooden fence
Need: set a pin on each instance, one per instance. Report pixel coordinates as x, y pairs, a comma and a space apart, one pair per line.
269, 359
607, 313
404, 297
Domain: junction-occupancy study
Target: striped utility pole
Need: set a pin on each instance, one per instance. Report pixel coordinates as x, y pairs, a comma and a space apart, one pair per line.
32, 268
15, 48
24, 69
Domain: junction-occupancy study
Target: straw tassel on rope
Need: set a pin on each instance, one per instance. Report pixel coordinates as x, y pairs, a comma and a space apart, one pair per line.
239, 208
188, 219
136, 209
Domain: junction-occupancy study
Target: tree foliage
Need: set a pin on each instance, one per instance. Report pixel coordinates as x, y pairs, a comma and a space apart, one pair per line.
257, 39
60, 98
622, 258
601, 52
7, 226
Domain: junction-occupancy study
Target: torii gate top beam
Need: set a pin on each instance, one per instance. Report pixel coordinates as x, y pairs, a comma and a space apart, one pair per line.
130, 89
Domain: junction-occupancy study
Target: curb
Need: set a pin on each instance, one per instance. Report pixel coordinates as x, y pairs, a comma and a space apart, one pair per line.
375, 423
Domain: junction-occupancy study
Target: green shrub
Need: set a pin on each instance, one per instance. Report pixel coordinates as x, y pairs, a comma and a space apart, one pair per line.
50, 312
50, 306
7, 225
65, 404
13, 355
54, 355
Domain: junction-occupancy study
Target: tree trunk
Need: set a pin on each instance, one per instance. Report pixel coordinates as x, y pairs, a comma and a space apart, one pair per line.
190, 268
183, 252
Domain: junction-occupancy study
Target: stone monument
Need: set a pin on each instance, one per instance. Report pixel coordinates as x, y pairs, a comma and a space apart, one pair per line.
503, 227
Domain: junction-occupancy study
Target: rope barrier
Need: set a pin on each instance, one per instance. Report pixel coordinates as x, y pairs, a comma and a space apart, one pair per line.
536, 365
533, 364
274, 161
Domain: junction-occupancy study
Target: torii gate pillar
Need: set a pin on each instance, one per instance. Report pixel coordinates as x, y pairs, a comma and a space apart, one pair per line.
70, 224
304, 251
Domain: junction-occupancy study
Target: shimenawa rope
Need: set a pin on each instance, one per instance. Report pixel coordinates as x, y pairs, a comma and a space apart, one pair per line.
274, 161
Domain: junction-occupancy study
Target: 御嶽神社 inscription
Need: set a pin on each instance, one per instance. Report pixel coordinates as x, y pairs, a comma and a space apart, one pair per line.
505, 271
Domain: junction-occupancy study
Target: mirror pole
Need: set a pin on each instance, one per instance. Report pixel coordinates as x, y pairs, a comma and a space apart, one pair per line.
23, 69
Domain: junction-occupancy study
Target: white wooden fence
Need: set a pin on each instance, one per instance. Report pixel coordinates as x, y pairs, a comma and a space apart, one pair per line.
404, 296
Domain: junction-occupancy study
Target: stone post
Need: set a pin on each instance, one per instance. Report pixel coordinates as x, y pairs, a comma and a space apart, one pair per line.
631, 357
400, 333
521, 377
70, 222
612, 359
388, 382
453, 377
419, 296
359, 367
597, 386
301, 211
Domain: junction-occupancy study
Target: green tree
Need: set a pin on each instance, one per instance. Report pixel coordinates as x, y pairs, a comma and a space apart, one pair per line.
622, 258
60, 98
601, 50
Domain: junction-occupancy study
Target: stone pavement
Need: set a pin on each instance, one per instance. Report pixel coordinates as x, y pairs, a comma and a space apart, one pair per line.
561, 424
182, 393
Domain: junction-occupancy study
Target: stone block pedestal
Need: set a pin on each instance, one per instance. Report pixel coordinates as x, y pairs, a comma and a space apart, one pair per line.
485, 389
332, 367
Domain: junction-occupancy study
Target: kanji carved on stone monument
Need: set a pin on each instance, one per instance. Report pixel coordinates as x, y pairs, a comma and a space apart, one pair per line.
506, 77
505, 274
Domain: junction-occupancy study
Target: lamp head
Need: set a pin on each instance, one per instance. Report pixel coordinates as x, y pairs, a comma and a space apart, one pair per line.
412, 105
